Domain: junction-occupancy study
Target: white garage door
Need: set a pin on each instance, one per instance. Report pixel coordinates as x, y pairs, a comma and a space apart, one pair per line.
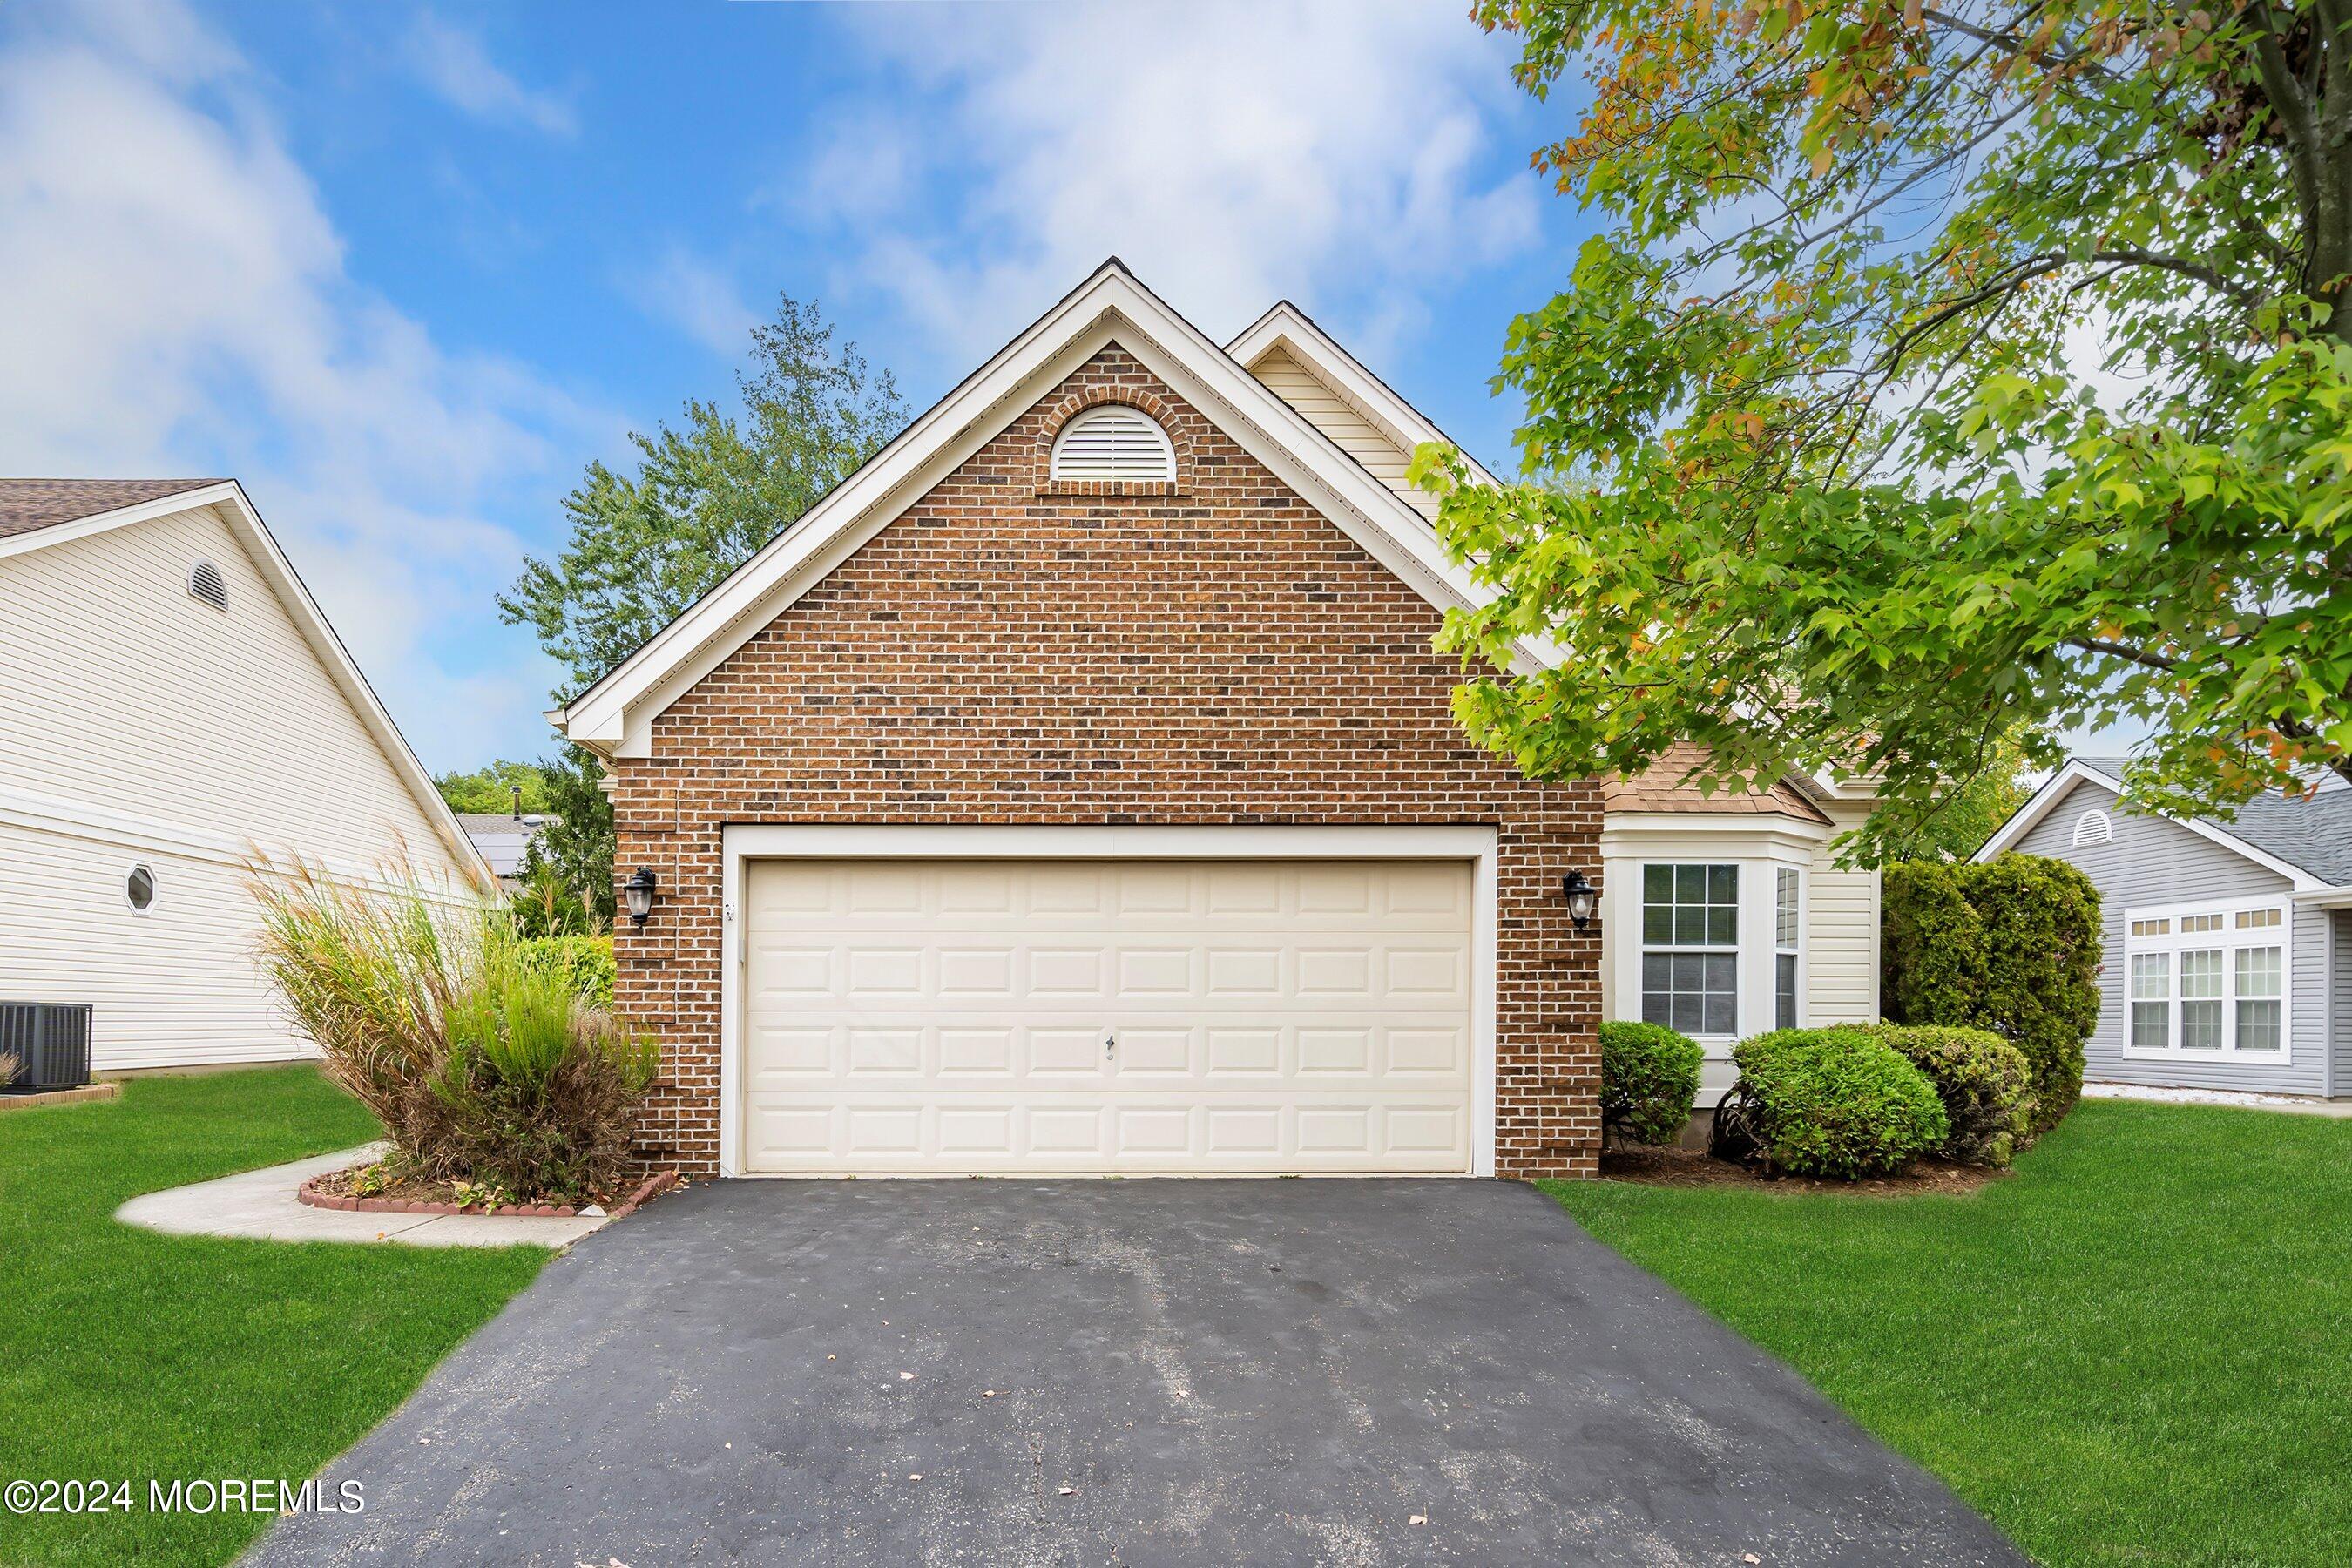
1139, 1017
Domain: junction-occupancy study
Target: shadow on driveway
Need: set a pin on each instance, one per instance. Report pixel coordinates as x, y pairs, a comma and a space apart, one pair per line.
1173, 1372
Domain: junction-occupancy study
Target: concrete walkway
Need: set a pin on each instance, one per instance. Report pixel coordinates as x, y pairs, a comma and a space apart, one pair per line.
2236, 1100
261, 1205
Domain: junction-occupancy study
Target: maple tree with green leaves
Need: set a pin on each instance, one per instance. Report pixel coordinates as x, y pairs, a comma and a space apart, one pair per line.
1945, 375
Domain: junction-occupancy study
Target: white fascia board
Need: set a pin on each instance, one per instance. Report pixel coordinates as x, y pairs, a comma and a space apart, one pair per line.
2062, 782
1112, 306
1287, 326
236, 510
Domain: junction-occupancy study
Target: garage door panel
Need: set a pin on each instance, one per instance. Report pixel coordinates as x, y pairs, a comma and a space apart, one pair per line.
1270, 1016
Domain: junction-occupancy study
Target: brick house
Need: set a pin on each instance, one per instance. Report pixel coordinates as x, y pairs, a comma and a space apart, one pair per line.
1075, 790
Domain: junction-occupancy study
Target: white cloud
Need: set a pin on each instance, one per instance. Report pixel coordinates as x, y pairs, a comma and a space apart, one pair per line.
1231, 154
454, 64
177, 303
697, 297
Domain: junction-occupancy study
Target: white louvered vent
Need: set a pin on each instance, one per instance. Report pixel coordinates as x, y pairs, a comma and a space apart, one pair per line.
205, 582
2092, 827
1114, 443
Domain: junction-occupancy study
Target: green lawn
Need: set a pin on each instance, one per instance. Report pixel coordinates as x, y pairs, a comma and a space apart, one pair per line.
125, 1355
2137, 1350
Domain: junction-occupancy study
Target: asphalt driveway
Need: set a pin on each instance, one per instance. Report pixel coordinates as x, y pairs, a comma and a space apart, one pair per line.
1179, 1372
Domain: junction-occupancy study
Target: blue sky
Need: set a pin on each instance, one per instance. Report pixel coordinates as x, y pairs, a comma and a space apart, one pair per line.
404, 269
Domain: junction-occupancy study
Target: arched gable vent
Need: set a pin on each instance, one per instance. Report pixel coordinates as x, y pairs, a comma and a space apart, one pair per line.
1114, 444
2092, 827
205, 582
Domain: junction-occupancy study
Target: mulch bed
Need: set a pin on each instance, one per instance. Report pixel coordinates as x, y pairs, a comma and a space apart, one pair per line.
331, 1191
1695, 1168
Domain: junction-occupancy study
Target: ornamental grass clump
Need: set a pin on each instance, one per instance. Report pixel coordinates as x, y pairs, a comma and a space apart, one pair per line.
487, 1065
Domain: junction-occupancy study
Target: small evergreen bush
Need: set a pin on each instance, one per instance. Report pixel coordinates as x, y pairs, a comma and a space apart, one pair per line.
1985, 1083
1827, 1102
1649, 1077
2011, 946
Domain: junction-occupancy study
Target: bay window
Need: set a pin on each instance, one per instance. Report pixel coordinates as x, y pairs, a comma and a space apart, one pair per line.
2211, 981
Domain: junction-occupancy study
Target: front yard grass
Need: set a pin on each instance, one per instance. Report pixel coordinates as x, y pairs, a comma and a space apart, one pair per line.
2137, 1350
129, 1356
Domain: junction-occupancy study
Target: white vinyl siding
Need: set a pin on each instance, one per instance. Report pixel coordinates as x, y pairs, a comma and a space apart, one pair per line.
1840, 968
2151, 865
171, 986
139, 724
1344, 423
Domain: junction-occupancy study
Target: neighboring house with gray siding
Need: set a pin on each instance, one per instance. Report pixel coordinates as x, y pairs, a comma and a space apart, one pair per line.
2228, 945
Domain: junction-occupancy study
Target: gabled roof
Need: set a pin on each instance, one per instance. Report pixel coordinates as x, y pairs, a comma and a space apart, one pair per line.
1288, 328
168, 498
614, 715
30, 504
2309, 842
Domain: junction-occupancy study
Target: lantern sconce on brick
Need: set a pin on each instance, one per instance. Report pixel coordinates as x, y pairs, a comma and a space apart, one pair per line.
1582, 898
639, 892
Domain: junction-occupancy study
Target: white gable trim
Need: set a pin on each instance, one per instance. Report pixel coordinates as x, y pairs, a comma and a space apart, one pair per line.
615, 715
2062, 782
229, 502
1288, 328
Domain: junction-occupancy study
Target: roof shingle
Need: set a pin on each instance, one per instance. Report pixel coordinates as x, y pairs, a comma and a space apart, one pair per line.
27, 505
1662, 787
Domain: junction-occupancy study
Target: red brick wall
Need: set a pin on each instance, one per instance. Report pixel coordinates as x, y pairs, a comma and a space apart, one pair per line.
1006, 653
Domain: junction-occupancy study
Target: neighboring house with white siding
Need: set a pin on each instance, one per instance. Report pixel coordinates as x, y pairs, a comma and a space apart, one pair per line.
2227, 943
171, 699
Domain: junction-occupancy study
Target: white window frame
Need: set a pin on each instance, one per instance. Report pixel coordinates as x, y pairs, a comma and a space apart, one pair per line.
2227, 942
1743, 925
154, 888
1794, 876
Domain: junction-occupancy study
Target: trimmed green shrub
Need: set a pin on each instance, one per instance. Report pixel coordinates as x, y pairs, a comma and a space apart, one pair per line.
1985, 1083
1827, 1102
1649, 1077
2011, 946
583, 962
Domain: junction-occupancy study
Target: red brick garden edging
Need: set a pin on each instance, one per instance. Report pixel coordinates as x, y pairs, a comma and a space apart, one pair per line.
660, 1182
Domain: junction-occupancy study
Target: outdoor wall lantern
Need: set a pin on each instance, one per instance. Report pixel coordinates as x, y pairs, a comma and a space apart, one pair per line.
1582, 898
639, 890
